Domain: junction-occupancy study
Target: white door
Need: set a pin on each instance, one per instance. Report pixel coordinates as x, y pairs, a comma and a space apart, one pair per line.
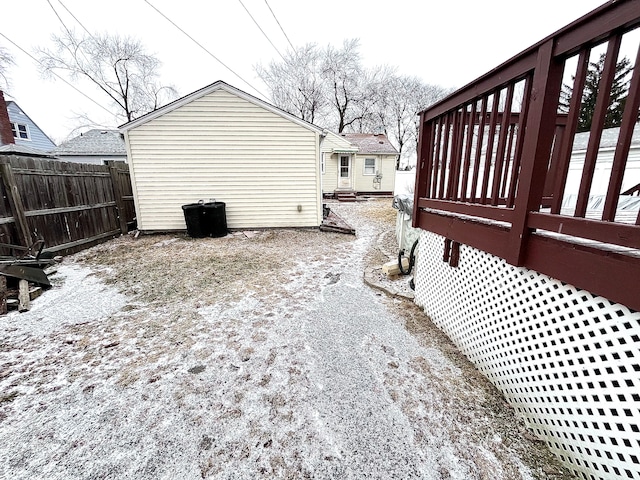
344, 172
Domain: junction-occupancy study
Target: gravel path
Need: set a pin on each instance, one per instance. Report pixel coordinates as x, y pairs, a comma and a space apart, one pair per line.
261, 355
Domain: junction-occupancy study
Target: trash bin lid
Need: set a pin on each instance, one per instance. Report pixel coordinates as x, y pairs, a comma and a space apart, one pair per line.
191, 206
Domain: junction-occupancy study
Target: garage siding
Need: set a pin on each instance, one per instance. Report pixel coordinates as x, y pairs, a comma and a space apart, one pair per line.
262, 165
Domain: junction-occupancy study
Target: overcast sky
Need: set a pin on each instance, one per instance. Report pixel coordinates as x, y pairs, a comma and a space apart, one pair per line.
444, 42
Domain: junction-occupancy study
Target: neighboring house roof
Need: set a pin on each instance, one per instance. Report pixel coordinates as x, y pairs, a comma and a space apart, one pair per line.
93, 142
609, 138
219, 85
335, 143
22, 150
37, 138
372, 143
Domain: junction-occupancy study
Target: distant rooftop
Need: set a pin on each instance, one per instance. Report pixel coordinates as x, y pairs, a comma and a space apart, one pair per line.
371, 143
16, 149
93, 142
609, 138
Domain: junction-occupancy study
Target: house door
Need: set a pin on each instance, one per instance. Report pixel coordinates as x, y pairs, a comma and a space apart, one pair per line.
344, 172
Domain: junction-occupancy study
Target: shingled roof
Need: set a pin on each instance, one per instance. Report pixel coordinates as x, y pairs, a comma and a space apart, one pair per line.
93, 142
373, 143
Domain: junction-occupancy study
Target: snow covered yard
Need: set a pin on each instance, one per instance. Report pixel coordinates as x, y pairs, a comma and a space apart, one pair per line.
258, 355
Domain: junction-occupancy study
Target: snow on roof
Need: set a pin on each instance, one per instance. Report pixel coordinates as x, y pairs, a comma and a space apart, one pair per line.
371, 143
14, 148
609, 138
93, 142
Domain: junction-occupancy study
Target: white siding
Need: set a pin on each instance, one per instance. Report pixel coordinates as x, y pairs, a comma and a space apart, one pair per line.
603, 171
385, 164
262, 165
330, 176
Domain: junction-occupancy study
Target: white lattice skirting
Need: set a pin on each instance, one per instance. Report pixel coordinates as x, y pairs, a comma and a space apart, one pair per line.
566, 360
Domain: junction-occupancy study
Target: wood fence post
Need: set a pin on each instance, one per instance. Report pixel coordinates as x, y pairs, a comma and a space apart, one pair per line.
15, 202
117, 193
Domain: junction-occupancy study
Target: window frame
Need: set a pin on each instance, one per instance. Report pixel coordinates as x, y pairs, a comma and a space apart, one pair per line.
15, 129
375, 165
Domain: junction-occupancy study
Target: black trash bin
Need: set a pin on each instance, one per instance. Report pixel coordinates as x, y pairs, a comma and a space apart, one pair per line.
215, 219
194, 218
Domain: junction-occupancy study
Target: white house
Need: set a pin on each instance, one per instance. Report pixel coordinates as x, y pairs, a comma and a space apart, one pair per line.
96, 146
362, 163
222, 143
22, 132
608, 143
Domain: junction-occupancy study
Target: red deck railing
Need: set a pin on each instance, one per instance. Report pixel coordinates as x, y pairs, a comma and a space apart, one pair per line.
494, 159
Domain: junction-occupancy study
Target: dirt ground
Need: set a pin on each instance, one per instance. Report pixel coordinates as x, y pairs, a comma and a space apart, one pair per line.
259, 355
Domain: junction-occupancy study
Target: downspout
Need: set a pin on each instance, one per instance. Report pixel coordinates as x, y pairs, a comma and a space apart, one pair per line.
321, 137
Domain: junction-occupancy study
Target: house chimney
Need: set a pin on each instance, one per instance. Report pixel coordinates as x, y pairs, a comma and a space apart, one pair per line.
6, 135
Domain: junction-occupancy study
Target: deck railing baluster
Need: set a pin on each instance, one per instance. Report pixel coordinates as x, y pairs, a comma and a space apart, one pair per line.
570, 130
629, 118
597, 125
479, 143
500, 154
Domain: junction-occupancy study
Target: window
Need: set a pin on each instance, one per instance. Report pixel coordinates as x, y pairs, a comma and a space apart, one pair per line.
20, 130
369, 166
344, 167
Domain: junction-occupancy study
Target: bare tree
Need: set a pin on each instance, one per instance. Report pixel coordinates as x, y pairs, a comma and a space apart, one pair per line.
370, 111
330, 87
343, 74
117, 66
6, 60
296, 84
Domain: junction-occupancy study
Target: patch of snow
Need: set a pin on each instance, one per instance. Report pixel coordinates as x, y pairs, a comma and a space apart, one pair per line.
315, 379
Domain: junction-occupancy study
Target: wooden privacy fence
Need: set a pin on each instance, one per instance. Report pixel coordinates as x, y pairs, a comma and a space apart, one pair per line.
494, 157
70, 206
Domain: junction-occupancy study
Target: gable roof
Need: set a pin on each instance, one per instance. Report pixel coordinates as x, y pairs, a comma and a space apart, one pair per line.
337, 144
373, 143
39, 139
93, 142
219, 85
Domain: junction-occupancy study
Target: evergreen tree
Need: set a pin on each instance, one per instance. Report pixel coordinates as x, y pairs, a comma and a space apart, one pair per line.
617, 98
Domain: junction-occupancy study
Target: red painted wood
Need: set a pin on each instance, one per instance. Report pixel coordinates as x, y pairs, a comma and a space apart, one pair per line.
436, 158
444, 157
616, 234
608, 274
479, 144
522, 123
489, 238
541, 120
595, 27
502, 142
517, 68
554, 164
488, 158
629, 118
596, 269
499, 214
467, 154
509, 160
597, 124
564, 156
456, 155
